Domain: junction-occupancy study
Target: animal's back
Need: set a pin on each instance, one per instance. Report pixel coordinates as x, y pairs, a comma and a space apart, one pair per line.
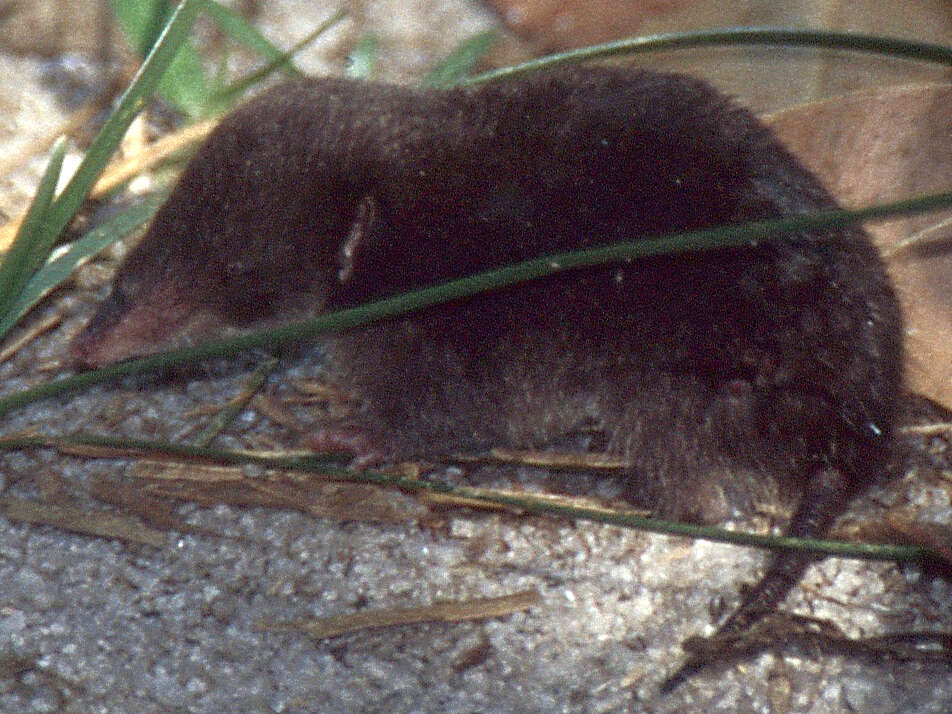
762, 361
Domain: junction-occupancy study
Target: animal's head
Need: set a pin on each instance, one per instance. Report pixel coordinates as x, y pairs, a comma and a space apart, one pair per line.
253, 230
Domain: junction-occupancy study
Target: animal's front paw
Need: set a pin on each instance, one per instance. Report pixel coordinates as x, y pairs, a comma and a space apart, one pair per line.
349, 439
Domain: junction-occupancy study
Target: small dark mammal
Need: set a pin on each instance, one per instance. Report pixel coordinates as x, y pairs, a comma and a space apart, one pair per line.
711, 372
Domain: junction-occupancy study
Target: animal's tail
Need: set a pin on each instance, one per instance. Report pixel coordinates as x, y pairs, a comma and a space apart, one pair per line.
825, 496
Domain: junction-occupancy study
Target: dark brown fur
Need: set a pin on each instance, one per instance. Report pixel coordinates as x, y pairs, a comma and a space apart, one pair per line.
777, 363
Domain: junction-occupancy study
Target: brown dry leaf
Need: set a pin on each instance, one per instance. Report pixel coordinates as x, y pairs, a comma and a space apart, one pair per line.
561, 460
131, 499
932, 429
209, 485
344, 501
446, 500
873, 147
274, 410
476, 609
529, 500
158, 471
105, 524
556, 24
152, 155
30, 334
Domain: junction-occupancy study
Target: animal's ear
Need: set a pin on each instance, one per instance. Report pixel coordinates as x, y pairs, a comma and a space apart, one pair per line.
366, 218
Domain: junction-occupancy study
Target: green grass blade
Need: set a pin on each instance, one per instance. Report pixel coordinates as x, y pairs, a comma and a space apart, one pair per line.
142, 21
131, 102
454, 68
234, 25
56, 271
184, 84
874, 44
363, 58
751, 233
228, 95
32, 244
64, 207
